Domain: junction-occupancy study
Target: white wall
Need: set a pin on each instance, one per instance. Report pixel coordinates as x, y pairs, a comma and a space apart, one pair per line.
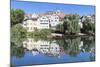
44, 24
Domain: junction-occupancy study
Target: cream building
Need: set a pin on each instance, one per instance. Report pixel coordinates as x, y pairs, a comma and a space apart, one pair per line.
30, 22
42, 21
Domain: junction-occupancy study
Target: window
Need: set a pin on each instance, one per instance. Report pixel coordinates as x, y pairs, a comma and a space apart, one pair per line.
51, 20
43, 23
55, 20
46, 20
56, 17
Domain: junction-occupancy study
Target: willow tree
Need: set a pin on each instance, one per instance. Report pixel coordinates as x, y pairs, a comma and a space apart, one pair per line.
71, 24
60, 28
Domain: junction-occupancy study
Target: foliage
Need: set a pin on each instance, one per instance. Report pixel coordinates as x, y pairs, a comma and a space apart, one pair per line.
17, 16
70, 45
71, 24
60, 28
40, 34
18, 34
88, 26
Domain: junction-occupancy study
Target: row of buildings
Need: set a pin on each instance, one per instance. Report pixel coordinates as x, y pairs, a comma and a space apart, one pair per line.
43, 21
47, 20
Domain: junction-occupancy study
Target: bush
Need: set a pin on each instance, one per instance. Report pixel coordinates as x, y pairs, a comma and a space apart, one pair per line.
44, 33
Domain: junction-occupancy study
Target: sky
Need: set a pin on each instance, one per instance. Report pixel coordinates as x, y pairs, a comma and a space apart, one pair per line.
40, 7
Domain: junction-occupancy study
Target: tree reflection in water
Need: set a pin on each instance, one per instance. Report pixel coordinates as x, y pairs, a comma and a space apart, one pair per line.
89, 44
73, 46
17, 51
54, 47
70, 45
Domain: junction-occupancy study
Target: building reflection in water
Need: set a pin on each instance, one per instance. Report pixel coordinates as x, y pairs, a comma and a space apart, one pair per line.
45, 47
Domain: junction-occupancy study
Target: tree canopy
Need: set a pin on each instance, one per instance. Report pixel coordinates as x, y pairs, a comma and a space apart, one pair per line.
18, 34
88, 26
17, 16
71, 24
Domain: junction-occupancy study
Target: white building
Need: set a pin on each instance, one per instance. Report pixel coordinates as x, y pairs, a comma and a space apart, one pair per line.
54, 20
42, 21
30, 22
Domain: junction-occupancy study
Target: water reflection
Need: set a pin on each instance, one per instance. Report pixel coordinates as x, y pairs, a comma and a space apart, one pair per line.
80, 48
17, 51
46, 47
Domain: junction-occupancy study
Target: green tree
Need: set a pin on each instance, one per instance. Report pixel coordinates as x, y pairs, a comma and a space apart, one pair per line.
60, 28
44, 33
88, 26
17, 16
40, 34
71, 24
18, 34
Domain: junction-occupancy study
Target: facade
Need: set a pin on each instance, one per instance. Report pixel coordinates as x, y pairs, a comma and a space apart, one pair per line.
30, 25
30, 22
43, 22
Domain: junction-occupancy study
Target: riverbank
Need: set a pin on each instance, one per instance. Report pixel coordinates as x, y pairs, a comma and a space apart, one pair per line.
48, 34
57, 35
